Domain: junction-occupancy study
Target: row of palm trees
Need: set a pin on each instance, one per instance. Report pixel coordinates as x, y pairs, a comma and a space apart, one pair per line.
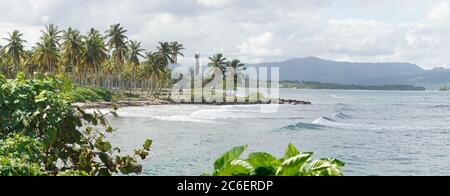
233, 68
110, 60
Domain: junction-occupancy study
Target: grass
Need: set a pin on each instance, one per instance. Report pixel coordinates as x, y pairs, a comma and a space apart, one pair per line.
90, 94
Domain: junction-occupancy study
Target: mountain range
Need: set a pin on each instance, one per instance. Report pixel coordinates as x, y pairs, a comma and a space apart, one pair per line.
319, 70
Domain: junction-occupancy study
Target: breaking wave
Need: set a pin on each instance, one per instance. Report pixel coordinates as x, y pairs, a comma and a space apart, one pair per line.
341, 115
301, 126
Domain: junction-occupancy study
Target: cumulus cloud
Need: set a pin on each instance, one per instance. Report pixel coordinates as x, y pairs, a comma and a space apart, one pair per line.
259, 46
441, 10
215, 3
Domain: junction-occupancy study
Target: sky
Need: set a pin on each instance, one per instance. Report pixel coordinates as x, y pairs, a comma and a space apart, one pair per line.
414, 31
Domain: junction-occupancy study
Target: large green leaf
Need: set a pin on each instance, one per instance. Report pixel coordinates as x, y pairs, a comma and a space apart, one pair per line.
264, 164
291, 151
327, 167
229, 156
236, 168
104, 146
294, 166
148, 144
50, 136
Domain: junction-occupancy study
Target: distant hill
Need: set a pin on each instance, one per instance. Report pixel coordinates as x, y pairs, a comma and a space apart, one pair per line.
325, 71
318, 85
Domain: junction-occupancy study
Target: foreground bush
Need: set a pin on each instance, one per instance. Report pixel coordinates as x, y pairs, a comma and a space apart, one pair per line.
20, 156
40, 129
293, 163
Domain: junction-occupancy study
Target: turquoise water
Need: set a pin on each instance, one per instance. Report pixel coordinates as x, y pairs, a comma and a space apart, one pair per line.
374, 132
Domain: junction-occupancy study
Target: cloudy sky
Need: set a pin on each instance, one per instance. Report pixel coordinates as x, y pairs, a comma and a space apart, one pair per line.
415, 31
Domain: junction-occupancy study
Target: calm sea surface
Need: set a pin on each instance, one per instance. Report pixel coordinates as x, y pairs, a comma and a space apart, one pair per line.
374, 132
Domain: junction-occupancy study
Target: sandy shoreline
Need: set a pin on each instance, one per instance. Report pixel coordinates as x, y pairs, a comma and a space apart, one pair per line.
134, 103
102, 105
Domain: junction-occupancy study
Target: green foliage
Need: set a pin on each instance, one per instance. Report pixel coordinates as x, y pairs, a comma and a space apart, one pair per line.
18, 167
293, 163
24, 147
92, 94
20, 156
40, 129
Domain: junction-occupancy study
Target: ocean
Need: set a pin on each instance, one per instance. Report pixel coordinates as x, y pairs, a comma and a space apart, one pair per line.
374, 132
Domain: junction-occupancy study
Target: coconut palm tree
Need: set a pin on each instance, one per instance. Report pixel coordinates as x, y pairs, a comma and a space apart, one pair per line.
29, 66
45, 55
15, 49
3, 63
176, 49
236, 68
95, 52
134, 53
165, 51
48, 48
155, 67
73, 48
117, 43
236, 64
218, 61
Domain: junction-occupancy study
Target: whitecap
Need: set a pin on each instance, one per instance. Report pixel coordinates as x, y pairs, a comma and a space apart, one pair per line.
340, 97
341, 115
181, 118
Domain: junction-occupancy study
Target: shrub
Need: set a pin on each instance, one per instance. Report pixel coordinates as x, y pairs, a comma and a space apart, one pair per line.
18, 167
293, 163
93, 94
19, 156
38, 109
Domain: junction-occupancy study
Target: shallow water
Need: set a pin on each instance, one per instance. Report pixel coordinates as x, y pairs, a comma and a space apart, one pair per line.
374, 132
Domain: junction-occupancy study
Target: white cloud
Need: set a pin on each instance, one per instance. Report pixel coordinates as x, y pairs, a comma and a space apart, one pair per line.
215, 3
441, 10
259, 46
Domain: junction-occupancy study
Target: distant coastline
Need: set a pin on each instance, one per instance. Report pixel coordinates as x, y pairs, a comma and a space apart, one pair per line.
333, 86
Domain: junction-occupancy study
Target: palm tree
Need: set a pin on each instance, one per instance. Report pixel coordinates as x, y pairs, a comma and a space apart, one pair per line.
95, 52
236, 64
3, 63
155, 66
176, 49
28, 62
134, 53
72, 47
236, 70
48, 48
118, 44
15, 49
165, 51
45, 56
218, 61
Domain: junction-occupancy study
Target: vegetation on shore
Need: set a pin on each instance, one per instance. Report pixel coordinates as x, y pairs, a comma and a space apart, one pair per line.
42, 134
109, 61
294, 163
318, 85
90, 94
